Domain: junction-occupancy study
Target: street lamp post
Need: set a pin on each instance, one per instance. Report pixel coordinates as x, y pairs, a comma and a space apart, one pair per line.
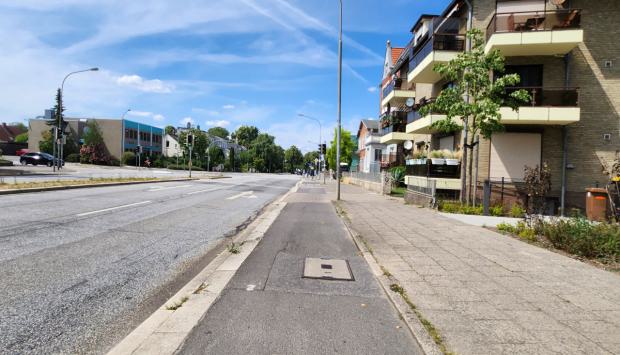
62, 91
321, 159
339, 103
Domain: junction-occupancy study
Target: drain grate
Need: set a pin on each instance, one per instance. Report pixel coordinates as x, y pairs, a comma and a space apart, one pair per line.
327, 269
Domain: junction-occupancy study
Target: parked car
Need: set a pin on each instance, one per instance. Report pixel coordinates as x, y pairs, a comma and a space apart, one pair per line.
21, 152
38, 159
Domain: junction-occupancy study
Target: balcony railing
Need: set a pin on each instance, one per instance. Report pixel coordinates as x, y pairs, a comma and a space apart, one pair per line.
550, 96
393, 85
372, 139
396, 121
534, 21
414, 115
437, 42
430, 170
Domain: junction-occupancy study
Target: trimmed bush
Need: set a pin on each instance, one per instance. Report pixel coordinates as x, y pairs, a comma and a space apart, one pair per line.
72, 158
128, 158
581, 237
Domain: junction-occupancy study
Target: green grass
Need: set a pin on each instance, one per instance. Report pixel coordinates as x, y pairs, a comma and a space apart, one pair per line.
398, 191
56, 183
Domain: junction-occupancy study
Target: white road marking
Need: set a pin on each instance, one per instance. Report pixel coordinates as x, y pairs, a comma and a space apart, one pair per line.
168, 188
205, 190
113, 208
250, 288
243, 194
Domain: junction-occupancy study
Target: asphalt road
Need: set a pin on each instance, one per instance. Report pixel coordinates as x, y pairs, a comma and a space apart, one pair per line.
268, 308
79, 269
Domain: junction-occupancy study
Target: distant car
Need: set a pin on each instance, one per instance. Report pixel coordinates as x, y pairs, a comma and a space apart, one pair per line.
38, 159
21, 152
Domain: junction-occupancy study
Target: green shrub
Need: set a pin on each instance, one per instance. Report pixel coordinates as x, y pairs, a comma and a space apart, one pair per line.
398, 175
581, 237
522, 230
517, 211
505, 228
128, 158
72, 158
455, 207
496, 211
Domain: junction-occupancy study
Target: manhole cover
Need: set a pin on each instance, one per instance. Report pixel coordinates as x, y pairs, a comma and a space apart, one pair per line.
327, 269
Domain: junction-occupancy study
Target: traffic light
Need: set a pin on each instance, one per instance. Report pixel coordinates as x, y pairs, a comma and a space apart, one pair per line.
190, 139
138, 149
323, 148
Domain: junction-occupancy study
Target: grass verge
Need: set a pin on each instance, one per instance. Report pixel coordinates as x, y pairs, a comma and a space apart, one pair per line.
58, 183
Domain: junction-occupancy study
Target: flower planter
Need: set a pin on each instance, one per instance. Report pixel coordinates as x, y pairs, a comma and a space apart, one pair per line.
452, 162
438, 161
410, 161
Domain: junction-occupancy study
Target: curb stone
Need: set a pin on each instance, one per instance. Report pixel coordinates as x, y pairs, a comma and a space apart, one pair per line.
165, 331
72, 187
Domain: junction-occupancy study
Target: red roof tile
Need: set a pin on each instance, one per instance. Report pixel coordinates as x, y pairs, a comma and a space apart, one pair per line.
396, 52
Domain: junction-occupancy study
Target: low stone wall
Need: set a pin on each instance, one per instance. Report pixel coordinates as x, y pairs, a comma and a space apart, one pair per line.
368, 185
414, 198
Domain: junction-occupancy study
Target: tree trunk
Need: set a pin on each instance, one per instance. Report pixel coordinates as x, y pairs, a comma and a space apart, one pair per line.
470, 164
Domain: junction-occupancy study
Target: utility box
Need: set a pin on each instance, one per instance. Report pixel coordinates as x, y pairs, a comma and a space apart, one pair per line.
596, 204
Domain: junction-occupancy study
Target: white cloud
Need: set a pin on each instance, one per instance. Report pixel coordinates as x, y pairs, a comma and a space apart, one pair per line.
140, 113
372, 89
187, 120
228, 107
137, 82
158, 117
219, 123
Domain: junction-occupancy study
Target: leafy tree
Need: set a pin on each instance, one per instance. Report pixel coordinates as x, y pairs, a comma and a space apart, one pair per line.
470, 75
218, 132
201, 143
245, 135
310, 157
46, 142
216, 156
294, 158
347, 148
22, 138
94, 150
170, 130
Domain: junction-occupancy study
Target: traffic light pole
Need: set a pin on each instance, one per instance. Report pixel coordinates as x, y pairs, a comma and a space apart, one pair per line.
190, 161
55, 141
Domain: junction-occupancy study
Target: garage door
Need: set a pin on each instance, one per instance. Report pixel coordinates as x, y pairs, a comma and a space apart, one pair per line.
511, 152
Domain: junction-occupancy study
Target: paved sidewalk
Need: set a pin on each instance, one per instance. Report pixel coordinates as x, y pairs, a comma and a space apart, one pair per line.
268, 308
487, 293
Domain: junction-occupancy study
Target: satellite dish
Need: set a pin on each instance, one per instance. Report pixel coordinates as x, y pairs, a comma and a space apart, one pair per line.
410, 102
558, 2
408, 145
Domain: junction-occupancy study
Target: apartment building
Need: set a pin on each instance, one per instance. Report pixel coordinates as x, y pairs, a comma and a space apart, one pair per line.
568, 61
369, 147
118, 135
396, 91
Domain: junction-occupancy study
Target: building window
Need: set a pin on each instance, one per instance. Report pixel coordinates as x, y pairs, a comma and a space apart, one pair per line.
377, 154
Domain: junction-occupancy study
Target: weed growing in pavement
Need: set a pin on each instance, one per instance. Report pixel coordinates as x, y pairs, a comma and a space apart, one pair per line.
234, 248
177, 305
430, 328
200, 288
385, 271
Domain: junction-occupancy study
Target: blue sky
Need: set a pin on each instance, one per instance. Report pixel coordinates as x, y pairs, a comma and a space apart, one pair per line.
211, 62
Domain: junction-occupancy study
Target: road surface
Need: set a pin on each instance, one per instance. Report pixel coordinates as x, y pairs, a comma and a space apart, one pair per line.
79, 269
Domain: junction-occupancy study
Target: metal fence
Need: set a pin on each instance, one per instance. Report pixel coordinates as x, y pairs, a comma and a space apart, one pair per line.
428, 188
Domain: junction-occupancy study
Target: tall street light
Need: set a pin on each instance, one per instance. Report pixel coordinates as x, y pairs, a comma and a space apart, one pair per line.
320, 141
62, 90
339, 103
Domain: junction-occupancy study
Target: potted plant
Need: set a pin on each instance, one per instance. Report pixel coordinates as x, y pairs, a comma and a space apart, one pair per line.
409, 160
452, 158
437, 157
420, 158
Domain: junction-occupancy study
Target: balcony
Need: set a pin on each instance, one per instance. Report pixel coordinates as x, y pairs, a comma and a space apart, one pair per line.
548, 106
395, 95
372, 139
534, 33
393, 128
439, 48
418, 124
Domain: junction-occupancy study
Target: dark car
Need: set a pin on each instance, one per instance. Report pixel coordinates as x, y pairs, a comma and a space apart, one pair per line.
38, 159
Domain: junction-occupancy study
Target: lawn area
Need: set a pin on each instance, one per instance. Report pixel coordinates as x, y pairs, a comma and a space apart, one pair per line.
398, 191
